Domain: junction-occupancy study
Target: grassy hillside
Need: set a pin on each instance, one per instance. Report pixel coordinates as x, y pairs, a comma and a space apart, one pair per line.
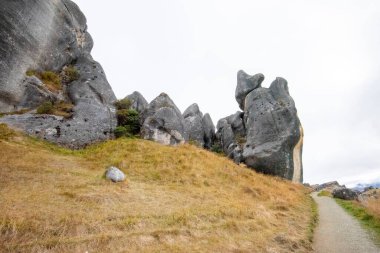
175, 199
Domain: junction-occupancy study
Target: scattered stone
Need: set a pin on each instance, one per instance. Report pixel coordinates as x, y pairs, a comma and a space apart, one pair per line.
115, 175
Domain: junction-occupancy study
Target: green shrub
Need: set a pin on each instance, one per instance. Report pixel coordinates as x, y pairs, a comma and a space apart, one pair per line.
46, 108
216, 148
71, 73
123, 104
121, 131
129, 119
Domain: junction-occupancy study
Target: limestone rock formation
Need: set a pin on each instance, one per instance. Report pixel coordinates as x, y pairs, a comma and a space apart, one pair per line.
138, 102
163, 122
268, 135
193, 124
209, 131
199, 129
51, 36
246, 84
231, 135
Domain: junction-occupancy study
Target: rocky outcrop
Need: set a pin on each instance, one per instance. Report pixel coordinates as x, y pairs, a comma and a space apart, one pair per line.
138, 102
231, 135
194, 125
163, 122
345, 193
50, 36
209, 131
199, 129
267, 135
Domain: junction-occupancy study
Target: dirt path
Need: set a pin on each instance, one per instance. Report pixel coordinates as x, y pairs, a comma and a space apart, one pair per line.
338, 232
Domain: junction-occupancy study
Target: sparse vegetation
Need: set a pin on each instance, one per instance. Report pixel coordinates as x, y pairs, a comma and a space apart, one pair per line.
52, 80
123, 104
45, 108
176, 199
324, 193
5, 132
369, 219
128, 119
58, 108
314, 219
71, 74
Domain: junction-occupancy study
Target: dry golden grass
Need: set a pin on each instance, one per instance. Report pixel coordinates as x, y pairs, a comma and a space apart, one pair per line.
175, 199
372, 204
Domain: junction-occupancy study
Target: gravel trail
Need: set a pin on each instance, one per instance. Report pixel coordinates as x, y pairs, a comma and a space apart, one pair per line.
338, 232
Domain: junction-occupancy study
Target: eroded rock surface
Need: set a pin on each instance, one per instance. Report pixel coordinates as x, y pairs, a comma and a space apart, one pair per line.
163, 122
267, 135
138, 102
49, 36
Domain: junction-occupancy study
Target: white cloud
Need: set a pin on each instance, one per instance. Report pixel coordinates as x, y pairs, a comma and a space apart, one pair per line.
327, 50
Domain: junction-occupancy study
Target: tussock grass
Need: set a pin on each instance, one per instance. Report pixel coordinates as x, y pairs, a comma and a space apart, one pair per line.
175, 199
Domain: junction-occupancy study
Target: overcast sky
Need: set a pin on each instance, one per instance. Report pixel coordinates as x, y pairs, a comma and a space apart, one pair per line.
328, 50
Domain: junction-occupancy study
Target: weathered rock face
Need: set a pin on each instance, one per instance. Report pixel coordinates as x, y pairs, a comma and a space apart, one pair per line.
138, 102
246, 84
209, 131
268, 135
163, 122
48, 36
231, 135
199, 129
193, 124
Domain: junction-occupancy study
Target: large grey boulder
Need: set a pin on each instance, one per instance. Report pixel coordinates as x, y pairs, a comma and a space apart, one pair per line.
194, 125
209, 131
274, 132
163, 122
345, 193
138, 102
268, 135
49, 36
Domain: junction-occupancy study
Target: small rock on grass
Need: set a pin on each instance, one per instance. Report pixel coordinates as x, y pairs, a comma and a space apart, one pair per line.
115, 175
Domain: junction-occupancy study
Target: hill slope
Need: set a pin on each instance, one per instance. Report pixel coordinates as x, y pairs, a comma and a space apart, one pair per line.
176, 199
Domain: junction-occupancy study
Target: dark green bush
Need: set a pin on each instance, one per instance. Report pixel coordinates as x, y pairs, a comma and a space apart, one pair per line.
216, 148
123, 104
121, 131
129, 119
46, 108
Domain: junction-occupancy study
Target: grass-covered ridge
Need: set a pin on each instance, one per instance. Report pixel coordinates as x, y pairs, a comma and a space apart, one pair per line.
175, 199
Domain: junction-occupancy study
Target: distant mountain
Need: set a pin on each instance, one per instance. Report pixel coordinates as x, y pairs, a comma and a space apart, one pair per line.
361, 187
